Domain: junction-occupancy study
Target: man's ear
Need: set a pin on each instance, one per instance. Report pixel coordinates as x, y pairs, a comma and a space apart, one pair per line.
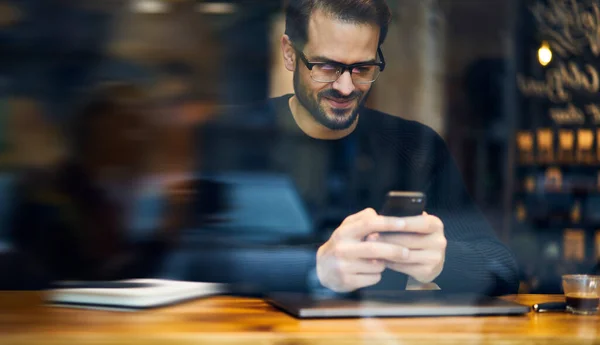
289, 53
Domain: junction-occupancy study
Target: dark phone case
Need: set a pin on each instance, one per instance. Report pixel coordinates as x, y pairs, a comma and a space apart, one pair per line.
404, 204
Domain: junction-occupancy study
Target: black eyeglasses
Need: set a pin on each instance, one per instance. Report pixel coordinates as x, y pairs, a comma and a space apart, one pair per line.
328, 72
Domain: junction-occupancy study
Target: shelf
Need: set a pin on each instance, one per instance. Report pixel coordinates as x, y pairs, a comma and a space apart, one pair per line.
558, 165
577, 192
549, 225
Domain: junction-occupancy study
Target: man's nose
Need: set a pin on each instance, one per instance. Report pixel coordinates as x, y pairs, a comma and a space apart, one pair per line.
344, 84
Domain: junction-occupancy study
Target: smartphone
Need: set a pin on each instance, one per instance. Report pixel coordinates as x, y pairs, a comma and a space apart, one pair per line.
403, 204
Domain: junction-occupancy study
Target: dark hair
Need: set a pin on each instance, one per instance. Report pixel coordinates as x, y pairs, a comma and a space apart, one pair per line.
298, 12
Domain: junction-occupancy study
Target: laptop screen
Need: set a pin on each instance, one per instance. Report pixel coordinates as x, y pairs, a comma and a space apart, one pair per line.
259, 203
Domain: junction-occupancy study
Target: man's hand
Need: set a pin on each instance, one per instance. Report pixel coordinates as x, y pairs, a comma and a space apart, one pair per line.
424, 237
347, 262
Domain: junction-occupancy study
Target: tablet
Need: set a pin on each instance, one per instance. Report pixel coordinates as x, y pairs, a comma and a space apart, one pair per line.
128, 295
396, 304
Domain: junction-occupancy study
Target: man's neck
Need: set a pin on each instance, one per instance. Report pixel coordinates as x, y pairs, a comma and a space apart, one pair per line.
311, 127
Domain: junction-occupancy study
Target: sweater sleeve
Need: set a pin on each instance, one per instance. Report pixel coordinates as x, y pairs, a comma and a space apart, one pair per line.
476, 260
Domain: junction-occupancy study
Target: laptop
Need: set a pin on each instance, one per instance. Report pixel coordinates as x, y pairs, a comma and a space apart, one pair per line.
262, 206
394, 304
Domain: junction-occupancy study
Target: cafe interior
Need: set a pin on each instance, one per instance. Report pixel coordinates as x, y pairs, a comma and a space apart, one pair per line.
510, 85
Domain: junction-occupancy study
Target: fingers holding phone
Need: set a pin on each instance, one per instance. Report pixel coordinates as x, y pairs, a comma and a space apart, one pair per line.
402, 238
426, 243
346, 262
422, 236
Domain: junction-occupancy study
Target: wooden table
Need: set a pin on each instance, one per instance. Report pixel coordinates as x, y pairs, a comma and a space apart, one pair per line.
227, 320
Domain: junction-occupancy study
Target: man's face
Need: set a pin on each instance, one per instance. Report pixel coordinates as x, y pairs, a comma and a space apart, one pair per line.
335, 105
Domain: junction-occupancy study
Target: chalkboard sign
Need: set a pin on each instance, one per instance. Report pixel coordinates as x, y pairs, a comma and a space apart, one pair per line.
568, 84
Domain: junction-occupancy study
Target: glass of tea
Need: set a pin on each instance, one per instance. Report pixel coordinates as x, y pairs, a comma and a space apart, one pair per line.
582, 293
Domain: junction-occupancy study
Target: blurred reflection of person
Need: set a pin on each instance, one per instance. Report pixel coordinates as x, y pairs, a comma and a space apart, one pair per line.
72, 222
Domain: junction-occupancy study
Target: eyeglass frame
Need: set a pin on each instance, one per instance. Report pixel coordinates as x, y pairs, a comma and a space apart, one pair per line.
344, 67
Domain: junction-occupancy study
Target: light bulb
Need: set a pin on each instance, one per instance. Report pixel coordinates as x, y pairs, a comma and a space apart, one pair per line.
544, 54
150, 6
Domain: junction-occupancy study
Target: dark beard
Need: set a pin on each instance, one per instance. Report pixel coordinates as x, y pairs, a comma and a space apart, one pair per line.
342, 120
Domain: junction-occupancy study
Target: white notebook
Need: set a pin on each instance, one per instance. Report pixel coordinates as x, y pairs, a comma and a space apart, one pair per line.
127, 295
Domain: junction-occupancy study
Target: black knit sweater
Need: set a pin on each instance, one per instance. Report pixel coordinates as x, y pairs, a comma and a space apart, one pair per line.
337, 178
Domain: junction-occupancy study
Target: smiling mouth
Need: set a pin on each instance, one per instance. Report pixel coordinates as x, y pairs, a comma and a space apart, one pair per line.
340, 103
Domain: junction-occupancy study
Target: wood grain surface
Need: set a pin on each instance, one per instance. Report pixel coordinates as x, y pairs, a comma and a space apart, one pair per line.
228, 320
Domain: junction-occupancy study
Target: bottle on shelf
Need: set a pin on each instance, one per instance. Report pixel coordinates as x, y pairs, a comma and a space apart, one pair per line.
553, 179
576, 213
566, 140
545, 142
585, 146
597, 242
598, 146
530, 184
525, 146
574, 245
521, 212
